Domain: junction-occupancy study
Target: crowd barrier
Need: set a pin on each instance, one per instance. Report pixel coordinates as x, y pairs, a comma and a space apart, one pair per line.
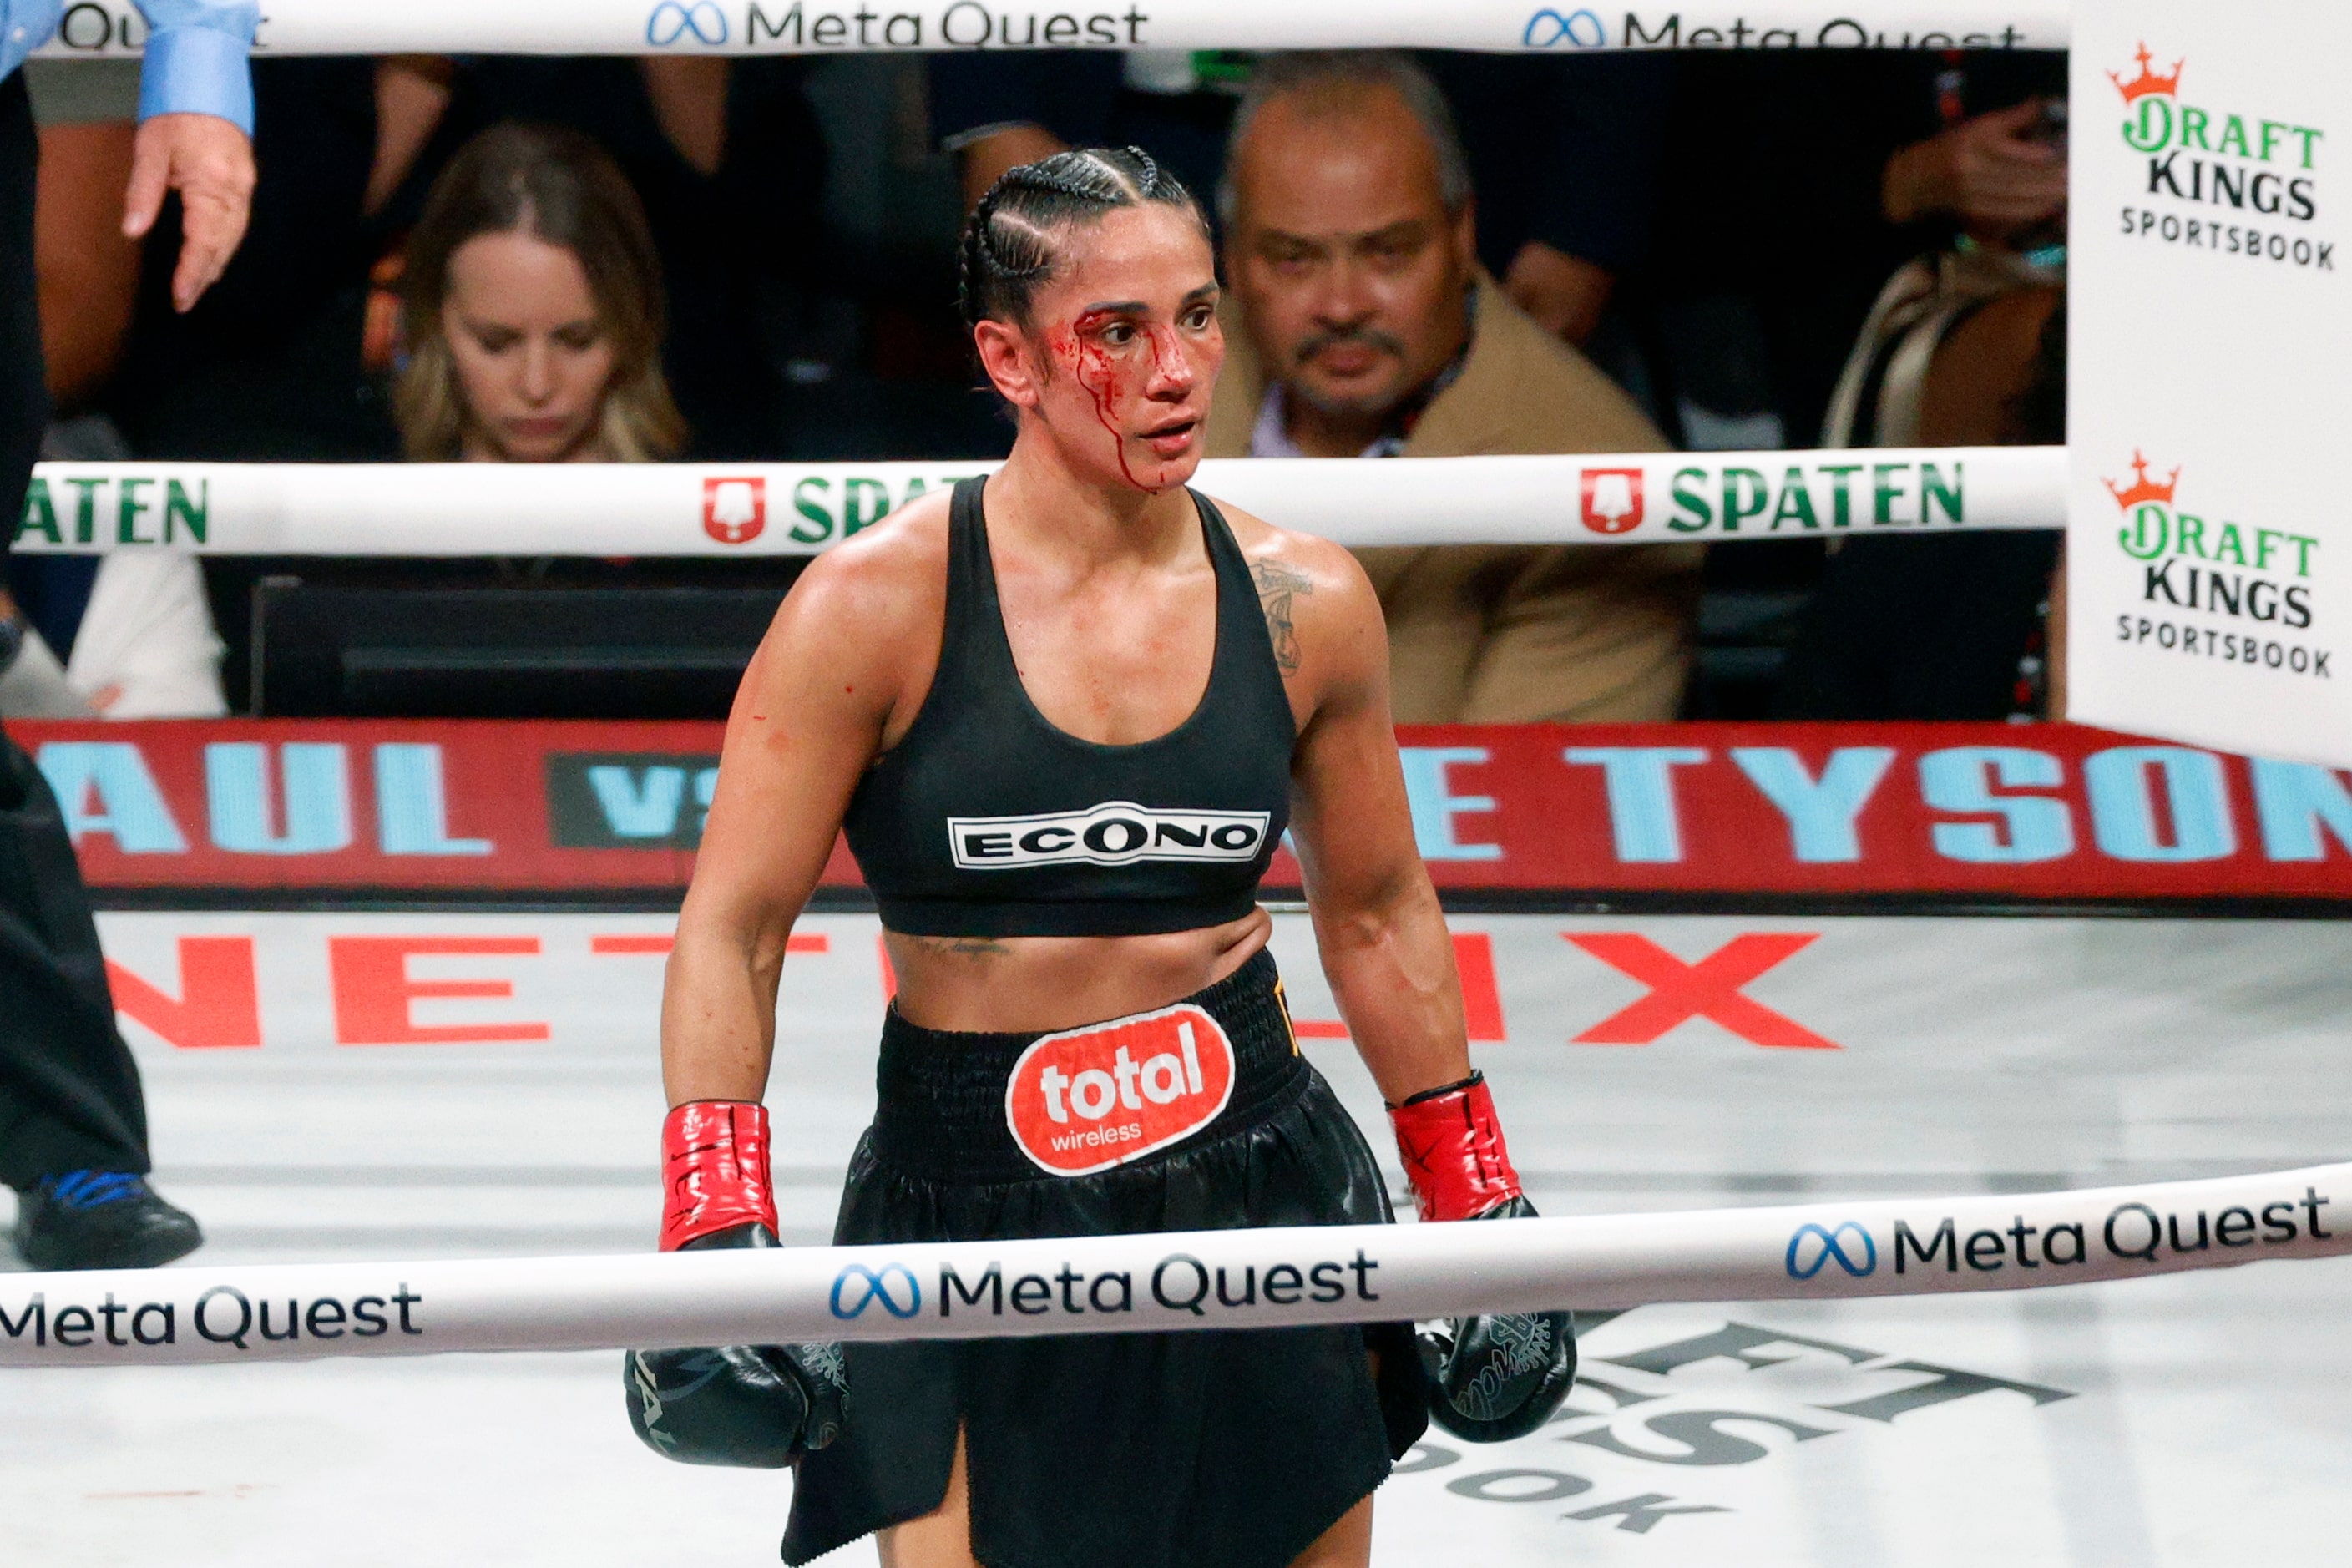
838, 26
1202, 1280
800, 508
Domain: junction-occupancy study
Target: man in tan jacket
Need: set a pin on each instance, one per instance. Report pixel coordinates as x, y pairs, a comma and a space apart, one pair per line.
1367, 329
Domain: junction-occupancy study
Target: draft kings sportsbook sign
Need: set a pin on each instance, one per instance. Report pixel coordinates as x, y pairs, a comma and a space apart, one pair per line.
2209, 543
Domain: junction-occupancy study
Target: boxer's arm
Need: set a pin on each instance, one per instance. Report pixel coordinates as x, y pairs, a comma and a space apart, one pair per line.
1383, 939
807, 720
1391, 964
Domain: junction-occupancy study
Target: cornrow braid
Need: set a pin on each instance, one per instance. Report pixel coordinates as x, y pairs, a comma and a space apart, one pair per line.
1006, 252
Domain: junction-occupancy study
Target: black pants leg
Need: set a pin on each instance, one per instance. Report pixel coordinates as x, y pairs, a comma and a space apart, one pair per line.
69, 1094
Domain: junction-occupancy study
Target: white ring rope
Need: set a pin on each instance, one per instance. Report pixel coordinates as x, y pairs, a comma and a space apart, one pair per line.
1121, 1284
845, 27
788, 509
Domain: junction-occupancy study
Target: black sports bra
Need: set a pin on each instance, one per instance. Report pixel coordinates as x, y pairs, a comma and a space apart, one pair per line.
986, 820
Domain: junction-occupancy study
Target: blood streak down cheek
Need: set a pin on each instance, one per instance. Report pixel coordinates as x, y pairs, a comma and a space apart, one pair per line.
1110, 384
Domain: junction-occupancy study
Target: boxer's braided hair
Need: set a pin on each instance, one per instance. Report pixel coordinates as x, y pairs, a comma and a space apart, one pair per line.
1007, 251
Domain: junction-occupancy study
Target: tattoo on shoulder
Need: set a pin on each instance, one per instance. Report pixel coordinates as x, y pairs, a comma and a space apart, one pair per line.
1277, 586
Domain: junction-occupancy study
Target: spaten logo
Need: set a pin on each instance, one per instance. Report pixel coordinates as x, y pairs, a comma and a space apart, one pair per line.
866, 1286
735, 511
1833, 1239
1610, 500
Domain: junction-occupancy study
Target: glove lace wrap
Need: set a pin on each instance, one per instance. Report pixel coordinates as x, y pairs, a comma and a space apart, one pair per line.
714, 1169
1454, 1153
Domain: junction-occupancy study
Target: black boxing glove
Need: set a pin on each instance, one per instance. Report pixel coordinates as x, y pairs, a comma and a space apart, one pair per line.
759, 1406
1493, 1378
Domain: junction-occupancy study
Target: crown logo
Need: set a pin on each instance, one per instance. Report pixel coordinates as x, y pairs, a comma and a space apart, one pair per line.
2147, 82
2142, 488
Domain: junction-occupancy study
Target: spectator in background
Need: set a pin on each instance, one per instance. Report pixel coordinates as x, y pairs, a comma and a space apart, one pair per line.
1780, 232
1563, 150
725, 155
1965, 346
270, 365
1951, 338
126, 635
1968, 625
1370, 330
532, 317
533, 310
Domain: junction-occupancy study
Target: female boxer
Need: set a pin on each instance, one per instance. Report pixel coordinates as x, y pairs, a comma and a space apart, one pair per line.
1065, 717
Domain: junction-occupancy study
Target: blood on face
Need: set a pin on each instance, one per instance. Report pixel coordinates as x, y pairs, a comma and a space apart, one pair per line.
1118, 377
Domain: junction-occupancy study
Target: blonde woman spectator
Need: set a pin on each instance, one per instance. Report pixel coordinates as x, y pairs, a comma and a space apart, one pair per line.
533, 310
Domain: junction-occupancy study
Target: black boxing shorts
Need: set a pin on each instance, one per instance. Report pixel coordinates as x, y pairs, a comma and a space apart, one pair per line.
1233, 1447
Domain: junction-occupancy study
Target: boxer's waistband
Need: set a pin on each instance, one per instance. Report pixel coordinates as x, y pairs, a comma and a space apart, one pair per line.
957, 1106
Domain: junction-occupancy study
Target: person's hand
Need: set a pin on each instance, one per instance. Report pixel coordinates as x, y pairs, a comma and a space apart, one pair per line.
1986, 171
210, 162
1564, 293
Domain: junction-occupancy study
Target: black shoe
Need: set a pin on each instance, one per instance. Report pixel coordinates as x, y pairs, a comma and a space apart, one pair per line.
100, 1219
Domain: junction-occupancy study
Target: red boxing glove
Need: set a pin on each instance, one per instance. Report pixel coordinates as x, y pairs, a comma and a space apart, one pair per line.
1453, 1150
714, 1169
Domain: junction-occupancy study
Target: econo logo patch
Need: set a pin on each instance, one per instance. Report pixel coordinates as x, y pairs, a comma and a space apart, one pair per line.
1116, 833
1088, 1100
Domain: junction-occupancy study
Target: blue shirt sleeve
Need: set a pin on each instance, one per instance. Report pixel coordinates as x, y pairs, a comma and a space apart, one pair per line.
197, 59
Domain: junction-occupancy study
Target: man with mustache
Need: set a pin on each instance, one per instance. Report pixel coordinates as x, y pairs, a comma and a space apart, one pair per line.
1368, 329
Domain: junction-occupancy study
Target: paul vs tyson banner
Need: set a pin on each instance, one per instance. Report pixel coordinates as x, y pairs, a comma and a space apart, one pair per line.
2209, 540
